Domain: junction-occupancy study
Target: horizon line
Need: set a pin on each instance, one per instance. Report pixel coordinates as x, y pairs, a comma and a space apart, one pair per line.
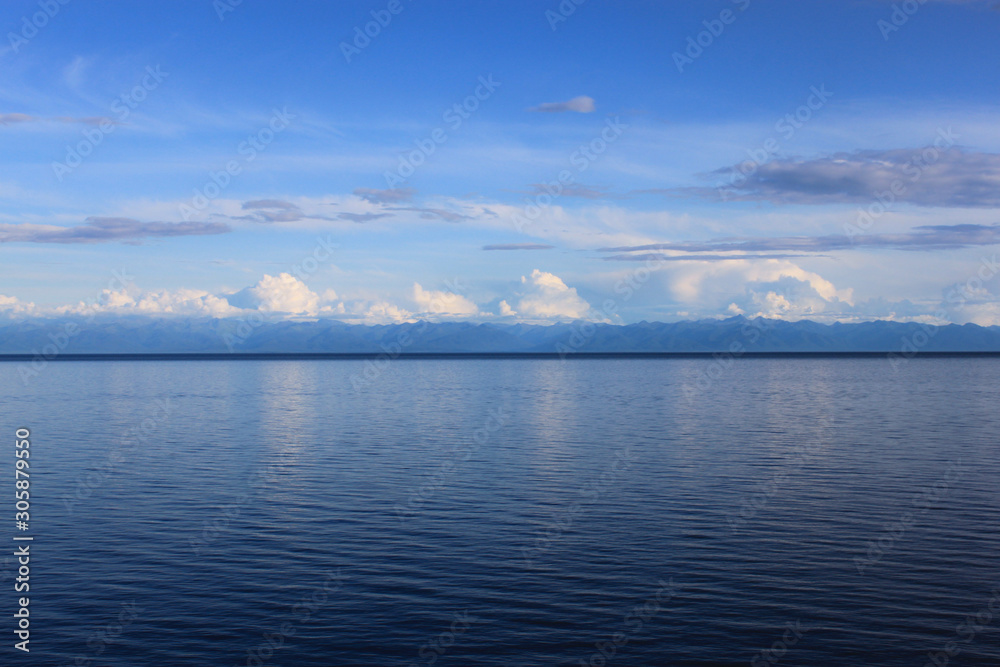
416, 356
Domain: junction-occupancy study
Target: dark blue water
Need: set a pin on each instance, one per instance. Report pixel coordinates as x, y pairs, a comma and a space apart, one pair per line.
509, 512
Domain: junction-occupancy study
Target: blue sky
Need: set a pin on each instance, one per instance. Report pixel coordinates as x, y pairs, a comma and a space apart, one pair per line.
587, 171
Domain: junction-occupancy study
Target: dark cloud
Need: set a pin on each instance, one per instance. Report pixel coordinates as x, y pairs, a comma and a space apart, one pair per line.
926, 237
518, 246
392, 196
106, 230
941, 177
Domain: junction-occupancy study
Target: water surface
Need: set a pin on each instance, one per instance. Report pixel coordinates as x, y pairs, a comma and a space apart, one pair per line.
510, 512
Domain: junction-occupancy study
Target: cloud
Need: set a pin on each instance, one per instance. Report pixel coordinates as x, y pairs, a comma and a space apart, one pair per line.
283, 293
433, 213
549, 298
518, 246
188, 302
89, 120
13, 118
270, 203
924, 177
362, 217
271, 210
11, 305
790, 298
693, 290
924, 237
581, 104
275, 210
74, 73
443, 303
660, 257
105, 230
576, 190
8, 118
128, 301
383, 312
391, 196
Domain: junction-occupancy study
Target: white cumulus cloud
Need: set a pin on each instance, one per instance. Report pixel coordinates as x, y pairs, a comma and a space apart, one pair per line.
547, 297
283, 293
443, 303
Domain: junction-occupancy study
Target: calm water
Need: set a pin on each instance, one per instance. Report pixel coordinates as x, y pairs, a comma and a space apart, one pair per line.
510, 512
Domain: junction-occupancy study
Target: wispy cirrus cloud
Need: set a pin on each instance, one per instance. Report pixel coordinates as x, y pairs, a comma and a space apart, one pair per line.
17, 118
271, 210
924, 237
106, 230
275, 210
10, 118
270, 203
388, 196
518, 246
427, 213
581, 104
577, 190
362, 217
661, 257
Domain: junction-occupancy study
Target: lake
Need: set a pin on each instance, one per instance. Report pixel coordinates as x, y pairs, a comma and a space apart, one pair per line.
511, 512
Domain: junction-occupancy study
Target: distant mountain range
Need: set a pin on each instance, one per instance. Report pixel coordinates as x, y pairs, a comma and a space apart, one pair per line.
736, 335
